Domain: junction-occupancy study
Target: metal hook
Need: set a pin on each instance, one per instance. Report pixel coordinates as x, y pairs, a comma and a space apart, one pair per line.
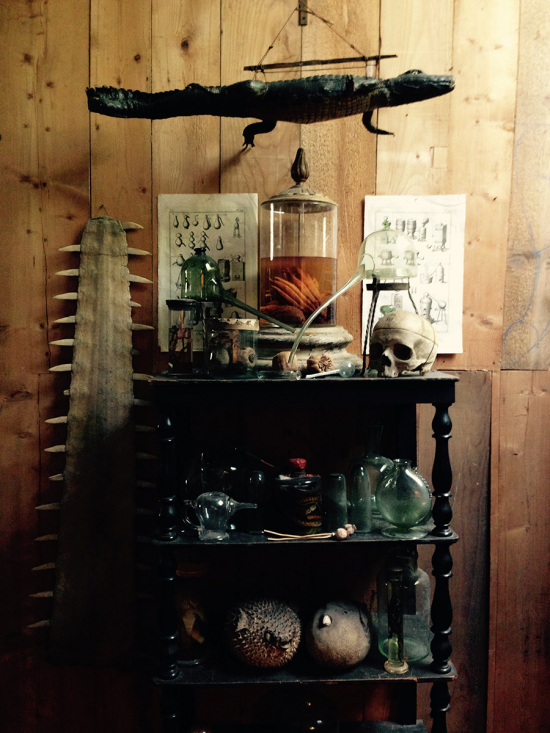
219, 222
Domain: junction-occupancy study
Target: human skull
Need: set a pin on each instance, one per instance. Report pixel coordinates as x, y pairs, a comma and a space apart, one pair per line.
402, 343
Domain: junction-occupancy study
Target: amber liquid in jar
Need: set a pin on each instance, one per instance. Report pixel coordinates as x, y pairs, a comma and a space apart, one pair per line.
293, 287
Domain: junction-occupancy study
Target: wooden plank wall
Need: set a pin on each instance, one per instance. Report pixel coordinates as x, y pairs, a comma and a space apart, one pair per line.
59, 165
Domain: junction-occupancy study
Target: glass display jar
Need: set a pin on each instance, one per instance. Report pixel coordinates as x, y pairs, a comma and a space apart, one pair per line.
298, 241
404, 499
416, 607
231, 347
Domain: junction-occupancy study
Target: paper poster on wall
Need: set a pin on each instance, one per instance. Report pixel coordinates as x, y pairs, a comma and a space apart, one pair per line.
226, 225
435, 224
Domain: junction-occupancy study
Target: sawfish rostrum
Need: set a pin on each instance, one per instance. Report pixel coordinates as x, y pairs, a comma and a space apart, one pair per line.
312, 99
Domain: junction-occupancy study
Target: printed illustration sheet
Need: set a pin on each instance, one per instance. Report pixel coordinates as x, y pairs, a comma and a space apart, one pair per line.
435, 224
227, 226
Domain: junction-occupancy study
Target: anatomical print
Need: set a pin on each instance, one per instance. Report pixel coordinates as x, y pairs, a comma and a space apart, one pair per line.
435, 226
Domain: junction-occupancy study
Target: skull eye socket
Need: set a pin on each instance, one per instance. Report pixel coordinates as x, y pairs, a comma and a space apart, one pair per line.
376, 351
402, 352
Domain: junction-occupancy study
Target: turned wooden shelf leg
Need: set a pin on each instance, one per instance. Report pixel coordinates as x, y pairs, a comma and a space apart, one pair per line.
167, 523
442, 475
440, 699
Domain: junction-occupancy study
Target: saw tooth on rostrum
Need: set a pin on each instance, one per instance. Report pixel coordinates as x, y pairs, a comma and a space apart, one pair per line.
62, 342
130, 225
56, 449
42, 594
67, 319
62, 419
69, 273
139, 279
71, 248
141, 327
39, 624
134, 251
66, 296
61, 368
48, 507
46, 566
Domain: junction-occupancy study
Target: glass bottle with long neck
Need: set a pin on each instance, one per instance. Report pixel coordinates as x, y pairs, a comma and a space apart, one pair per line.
366, 474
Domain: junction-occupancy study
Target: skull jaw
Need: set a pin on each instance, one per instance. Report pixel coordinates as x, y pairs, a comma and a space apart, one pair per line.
389, 366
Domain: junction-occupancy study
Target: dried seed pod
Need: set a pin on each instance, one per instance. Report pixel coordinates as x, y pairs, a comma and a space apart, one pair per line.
281, 364
322, 363
341, 534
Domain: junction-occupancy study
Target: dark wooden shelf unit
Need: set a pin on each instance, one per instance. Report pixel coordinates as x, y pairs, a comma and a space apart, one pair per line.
177, 398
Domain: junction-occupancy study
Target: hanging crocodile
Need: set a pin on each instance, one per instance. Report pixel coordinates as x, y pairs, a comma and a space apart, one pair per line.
311, 99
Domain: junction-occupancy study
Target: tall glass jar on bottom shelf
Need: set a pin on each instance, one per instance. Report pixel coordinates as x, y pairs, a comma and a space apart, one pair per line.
416, 598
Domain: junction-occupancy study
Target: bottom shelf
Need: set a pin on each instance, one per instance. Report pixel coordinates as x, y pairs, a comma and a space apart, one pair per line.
364, 727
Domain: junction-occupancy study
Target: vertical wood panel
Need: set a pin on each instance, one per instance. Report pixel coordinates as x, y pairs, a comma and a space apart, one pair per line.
420, 33
186, 150
341, 153
523, 580
469, 450
526, 342
248, 29
479, 164
120, 56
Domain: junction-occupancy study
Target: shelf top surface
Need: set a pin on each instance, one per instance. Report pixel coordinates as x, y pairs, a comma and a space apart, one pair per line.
434, 387
359, 538
226, 671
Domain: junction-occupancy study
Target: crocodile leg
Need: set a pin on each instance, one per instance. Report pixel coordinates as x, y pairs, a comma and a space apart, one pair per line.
367, 122
257, 128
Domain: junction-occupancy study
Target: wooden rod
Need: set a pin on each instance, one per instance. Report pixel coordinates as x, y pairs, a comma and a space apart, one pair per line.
318, 62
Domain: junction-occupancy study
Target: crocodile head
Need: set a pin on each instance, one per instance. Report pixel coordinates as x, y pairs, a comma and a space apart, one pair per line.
415, 85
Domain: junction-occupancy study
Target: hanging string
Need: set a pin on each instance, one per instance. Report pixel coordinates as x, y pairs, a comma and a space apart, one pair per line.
320, 17
275, 39
330, 25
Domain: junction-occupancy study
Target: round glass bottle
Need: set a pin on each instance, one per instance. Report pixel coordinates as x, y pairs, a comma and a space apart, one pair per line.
404, 499
298, 239
416, 606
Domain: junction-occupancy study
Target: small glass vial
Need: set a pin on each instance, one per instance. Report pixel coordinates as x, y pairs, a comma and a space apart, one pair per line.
360, 503
416, 606
231, 347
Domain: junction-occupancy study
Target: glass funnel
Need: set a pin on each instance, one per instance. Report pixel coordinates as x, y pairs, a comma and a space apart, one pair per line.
404, 499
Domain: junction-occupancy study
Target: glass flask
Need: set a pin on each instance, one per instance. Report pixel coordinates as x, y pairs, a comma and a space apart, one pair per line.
231, 347
404, 499
334, 502
193, 635
392, 253
298, 240
416, 606
200, 277
376, 467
